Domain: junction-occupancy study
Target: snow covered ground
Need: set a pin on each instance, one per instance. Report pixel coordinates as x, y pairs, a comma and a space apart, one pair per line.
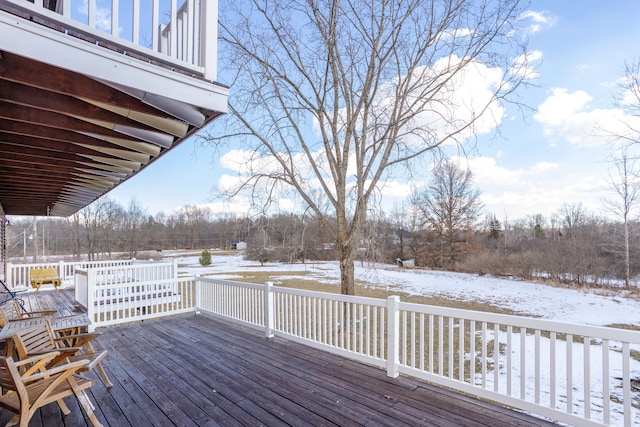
531, 299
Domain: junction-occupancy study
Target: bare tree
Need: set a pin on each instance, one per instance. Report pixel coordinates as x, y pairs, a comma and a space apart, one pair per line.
93, 217
404, 221
196, 219
536, 224
623, 181
135, 217
450, 206
572, 216
629, 100
334, 95
113, 217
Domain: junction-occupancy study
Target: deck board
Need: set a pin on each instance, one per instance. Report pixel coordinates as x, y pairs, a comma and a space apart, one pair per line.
192, 370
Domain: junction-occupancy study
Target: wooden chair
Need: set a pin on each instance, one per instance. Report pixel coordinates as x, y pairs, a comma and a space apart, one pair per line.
70, 348
19, 312
7, 316
38, 386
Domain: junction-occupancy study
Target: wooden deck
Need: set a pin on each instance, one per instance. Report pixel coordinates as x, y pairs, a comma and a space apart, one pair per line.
192, 370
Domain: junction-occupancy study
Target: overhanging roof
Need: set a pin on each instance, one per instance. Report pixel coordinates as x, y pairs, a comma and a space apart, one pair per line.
77, 119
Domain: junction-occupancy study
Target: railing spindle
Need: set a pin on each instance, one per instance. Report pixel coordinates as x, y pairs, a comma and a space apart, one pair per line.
569, 374
496, 356
552, 369
523, 363
510, 359
537, 355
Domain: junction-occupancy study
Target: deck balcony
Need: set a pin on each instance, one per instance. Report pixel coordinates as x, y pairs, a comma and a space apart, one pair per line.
194, 370
264, 336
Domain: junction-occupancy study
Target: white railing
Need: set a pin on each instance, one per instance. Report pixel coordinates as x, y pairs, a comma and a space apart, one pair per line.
576, 374
225, 298
571, 373
180, 33
18, 274
128, 293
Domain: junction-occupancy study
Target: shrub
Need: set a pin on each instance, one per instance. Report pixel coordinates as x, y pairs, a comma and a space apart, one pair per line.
205, 257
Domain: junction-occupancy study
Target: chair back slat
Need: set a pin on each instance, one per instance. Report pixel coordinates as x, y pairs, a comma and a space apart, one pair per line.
10, 309
18, 308
6, 380
4, 318
34, 340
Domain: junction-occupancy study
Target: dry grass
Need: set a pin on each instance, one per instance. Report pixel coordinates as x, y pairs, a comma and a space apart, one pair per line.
298, 280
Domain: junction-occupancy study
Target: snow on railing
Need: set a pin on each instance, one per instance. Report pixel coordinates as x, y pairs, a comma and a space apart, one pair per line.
18, 274
576, 374
183, 34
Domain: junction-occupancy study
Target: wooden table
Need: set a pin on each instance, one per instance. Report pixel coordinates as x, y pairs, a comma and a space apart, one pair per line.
80, 321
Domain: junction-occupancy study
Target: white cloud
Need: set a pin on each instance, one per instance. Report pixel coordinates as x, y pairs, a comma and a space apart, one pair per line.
525, 65
565, 115
239, 207
457, 33
542, 167
464, 97
560, 106
227, 183
540, 187
537, 20
102, 15
486, 171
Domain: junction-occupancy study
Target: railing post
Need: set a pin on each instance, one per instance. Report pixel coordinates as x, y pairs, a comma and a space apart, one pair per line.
62, 274
208, 38
268, 309
198, 293
91, 293
9, 278
393, 336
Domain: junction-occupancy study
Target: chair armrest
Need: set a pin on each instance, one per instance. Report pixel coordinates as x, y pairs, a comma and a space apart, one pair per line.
77, 340
41, 313
38, 362
43, 356
73, 367
60, 353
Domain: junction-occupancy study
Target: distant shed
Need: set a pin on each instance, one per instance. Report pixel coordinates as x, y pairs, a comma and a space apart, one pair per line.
406, 263
239, 246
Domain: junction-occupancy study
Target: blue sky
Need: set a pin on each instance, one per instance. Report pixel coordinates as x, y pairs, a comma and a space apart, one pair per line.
542, 158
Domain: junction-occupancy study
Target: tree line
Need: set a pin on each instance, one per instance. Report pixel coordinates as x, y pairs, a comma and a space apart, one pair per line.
441, 226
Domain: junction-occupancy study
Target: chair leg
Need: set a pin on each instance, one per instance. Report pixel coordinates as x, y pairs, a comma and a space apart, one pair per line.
103, 375
13, 421
63, 407
85, 403
99, 368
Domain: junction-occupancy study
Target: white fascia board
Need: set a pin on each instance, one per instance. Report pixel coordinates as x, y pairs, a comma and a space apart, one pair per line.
31, 40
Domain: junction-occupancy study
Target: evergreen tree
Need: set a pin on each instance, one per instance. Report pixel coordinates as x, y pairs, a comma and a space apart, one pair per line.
205, 258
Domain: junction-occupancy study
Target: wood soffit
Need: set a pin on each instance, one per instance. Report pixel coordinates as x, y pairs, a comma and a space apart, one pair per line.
67, 139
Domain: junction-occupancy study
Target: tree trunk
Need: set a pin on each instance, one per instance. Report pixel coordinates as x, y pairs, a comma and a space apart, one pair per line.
627, 260
347, 277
